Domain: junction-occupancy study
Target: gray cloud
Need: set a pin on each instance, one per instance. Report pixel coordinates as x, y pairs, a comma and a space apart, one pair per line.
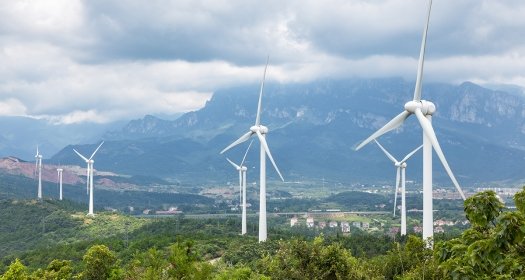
74, 60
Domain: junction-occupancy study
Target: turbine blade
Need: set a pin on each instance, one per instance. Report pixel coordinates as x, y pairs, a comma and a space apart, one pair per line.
258, 117
232, 163
419, 83
267, 150
410, 154
429, 132
246, 153
83, 157
96, 150
392, 124
241, 139
396, 190
392, 158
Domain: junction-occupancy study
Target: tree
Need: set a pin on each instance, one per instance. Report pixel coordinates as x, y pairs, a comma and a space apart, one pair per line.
100, 264
150, 265
493, 248
239, 273
56, 270
183, 263
16, 271
299, 259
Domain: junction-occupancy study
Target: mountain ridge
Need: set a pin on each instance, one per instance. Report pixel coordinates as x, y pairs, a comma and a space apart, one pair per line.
314, 126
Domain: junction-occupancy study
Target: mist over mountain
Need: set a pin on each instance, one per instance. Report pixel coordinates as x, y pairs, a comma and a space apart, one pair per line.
314, 128
20, 136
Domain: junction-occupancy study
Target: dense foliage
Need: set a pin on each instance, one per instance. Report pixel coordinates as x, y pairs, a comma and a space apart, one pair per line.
112, 246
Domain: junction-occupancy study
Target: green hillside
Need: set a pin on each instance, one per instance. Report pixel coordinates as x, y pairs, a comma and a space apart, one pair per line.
50, 240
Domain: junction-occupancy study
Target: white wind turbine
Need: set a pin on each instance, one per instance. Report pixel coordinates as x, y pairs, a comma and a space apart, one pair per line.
242, 187
90, 162
400, 180
423, 110
59, 171
260, 131
38, 168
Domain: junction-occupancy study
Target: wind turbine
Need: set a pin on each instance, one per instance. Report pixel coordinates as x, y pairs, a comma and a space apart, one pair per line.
90, 162
401, 166
59, 170
242, 186
423, 110
261, 131
38, 168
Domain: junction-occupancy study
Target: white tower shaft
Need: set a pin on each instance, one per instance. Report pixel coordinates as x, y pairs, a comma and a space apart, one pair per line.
403, 204
90, 212
243, 230
60, 182
428, 227
262, 196
39, 159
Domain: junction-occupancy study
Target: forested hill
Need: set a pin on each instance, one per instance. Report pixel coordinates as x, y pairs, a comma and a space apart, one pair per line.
59, 244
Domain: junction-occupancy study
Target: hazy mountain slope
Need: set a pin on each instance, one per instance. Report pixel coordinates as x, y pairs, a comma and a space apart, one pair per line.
314, 127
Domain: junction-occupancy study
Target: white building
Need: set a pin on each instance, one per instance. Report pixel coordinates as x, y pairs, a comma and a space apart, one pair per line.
345, 227
293, 221
310, 222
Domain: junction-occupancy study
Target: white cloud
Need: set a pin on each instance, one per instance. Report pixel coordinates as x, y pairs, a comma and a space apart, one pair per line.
12, 107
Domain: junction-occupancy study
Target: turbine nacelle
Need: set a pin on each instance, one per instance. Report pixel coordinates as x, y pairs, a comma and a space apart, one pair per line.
402, 165
261, 128
426, 107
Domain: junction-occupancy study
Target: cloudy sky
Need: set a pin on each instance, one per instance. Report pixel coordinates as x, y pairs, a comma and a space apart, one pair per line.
102, 60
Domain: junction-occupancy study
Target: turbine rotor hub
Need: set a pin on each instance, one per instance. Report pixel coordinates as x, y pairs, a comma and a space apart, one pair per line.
426, 107
243, 168
261, 128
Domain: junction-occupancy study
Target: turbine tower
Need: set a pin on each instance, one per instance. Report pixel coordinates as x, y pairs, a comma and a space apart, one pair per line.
423, 110
59, 170
242, 187
90, 163
401, 166
38, 168
261, 131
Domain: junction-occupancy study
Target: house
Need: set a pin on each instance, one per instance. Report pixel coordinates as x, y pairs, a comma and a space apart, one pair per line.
146, 211
365, 225
332, 224
310, 222
170, 211
441, 222
439, 230
418, 229
394, 230
322, 225
293, 221
345, 227
356, 224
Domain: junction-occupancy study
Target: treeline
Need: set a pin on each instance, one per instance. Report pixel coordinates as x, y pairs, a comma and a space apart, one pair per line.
492, 248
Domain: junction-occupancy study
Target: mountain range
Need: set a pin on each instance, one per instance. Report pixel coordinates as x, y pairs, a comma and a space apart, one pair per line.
314, 128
